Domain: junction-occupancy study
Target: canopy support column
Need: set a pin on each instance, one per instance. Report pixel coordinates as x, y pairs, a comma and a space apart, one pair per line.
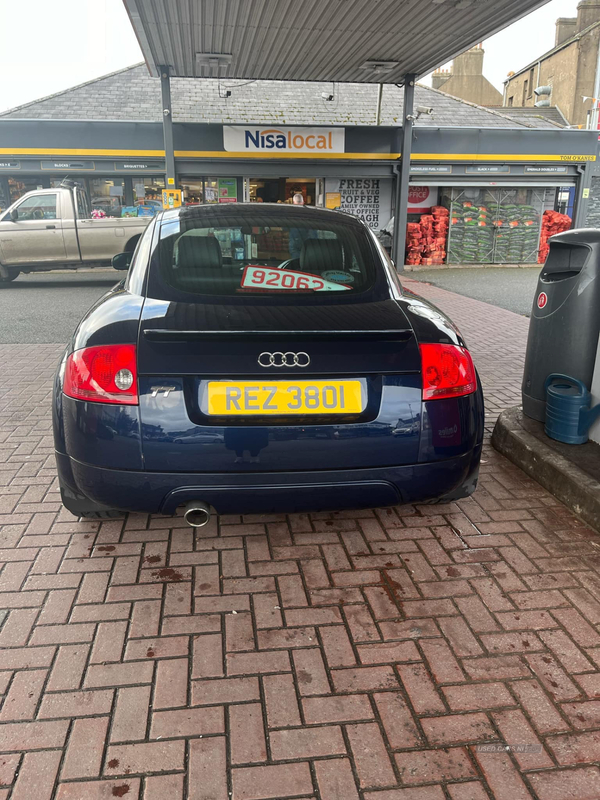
403, 176
165, 86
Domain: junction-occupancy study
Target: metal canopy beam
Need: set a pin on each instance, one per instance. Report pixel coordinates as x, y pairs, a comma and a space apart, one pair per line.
362, 41
167, 109
403, 177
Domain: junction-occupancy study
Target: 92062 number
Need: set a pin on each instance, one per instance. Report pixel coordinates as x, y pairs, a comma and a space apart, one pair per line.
268, 279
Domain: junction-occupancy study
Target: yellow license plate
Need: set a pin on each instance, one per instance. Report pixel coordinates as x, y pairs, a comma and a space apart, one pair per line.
243, 398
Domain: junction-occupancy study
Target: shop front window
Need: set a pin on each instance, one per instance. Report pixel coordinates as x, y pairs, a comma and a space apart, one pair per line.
147, 195
193, 191
106, 194
17, 187
282, 190
209, 190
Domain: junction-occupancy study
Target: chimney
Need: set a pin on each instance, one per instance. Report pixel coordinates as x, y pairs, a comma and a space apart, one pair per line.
588, 12
471, 62
565, 28
439, 77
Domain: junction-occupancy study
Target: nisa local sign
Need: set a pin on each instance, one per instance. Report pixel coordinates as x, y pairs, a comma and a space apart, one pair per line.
282, 140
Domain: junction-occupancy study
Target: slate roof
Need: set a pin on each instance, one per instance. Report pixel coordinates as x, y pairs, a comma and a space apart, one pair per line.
131, 94
545, 118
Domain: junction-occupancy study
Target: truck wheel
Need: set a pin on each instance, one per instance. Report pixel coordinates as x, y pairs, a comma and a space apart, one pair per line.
12, 274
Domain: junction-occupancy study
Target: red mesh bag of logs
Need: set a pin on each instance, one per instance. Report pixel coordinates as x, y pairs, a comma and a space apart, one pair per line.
414, 243
552, 223
426, 239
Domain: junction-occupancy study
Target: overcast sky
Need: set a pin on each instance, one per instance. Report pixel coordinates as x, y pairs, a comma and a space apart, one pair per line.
49, 45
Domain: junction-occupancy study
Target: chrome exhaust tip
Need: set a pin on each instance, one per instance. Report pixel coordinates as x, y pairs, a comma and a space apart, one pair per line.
196, 514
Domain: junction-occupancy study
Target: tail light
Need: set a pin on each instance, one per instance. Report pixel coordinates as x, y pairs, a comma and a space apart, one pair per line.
447, 371
104, 374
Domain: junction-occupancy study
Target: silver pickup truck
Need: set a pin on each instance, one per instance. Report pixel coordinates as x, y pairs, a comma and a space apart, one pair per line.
54, 229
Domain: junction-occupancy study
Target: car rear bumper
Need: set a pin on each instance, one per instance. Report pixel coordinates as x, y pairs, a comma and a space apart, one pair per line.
245, 492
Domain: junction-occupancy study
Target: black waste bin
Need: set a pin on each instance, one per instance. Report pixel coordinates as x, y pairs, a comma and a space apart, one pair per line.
565, 320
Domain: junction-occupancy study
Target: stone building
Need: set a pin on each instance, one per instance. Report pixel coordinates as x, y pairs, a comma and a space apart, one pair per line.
465, 79
564, 77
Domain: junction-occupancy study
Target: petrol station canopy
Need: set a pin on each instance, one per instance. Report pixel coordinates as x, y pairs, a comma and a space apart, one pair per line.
358, 41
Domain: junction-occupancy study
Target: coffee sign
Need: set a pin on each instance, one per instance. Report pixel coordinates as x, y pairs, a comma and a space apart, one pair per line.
369, 199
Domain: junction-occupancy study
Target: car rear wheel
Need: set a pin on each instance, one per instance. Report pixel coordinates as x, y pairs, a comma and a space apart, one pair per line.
81, 506
12, 274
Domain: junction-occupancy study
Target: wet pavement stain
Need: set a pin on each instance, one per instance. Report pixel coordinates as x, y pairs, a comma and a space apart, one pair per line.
167, 573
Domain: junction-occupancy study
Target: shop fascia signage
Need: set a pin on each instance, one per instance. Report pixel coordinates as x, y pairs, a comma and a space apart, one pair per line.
551, 170
67, 165
432, 169
137, 166
278, 140
487, 168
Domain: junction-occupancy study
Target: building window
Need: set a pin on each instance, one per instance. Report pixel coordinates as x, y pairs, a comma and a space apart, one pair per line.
530, 92
106, 194
510, 100
148, 189
525, 93
209, 190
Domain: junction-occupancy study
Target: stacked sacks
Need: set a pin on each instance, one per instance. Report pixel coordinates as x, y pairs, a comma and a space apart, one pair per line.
426, 240
414, 243
552, 223
427, 233
517, 229
436, 253
472, 233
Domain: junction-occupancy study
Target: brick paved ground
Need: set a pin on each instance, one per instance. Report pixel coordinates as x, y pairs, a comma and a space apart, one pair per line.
356, 655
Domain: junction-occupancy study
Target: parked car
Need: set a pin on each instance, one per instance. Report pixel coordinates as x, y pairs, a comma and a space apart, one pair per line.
237, 328
54, 229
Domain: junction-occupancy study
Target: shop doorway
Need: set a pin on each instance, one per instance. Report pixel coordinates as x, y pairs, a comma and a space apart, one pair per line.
281, 190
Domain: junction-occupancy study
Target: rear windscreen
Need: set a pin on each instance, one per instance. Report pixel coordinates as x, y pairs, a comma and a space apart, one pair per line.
295, 254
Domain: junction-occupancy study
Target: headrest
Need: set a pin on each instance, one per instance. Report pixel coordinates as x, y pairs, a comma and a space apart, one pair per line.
320, 255
199, 252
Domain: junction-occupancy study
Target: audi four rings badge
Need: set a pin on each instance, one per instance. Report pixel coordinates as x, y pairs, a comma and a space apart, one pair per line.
284, 359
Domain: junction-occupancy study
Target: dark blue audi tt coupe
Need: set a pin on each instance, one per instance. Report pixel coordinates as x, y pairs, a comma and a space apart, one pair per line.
262, 358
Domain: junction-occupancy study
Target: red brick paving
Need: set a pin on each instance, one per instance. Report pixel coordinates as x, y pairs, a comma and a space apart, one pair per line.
352, 656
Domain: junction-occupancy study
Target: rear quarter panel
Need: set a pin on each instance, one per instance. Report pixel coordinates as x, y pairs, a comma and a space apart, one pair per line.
106, 435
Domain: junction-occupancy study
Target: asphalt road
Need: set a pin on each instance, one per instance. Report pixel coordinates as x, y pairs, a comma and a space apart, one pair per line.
43, 308
506, 287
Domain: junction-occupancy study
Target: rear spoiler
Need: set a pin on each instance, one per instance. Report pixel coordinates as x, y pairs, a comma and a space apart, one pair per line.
168, 335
